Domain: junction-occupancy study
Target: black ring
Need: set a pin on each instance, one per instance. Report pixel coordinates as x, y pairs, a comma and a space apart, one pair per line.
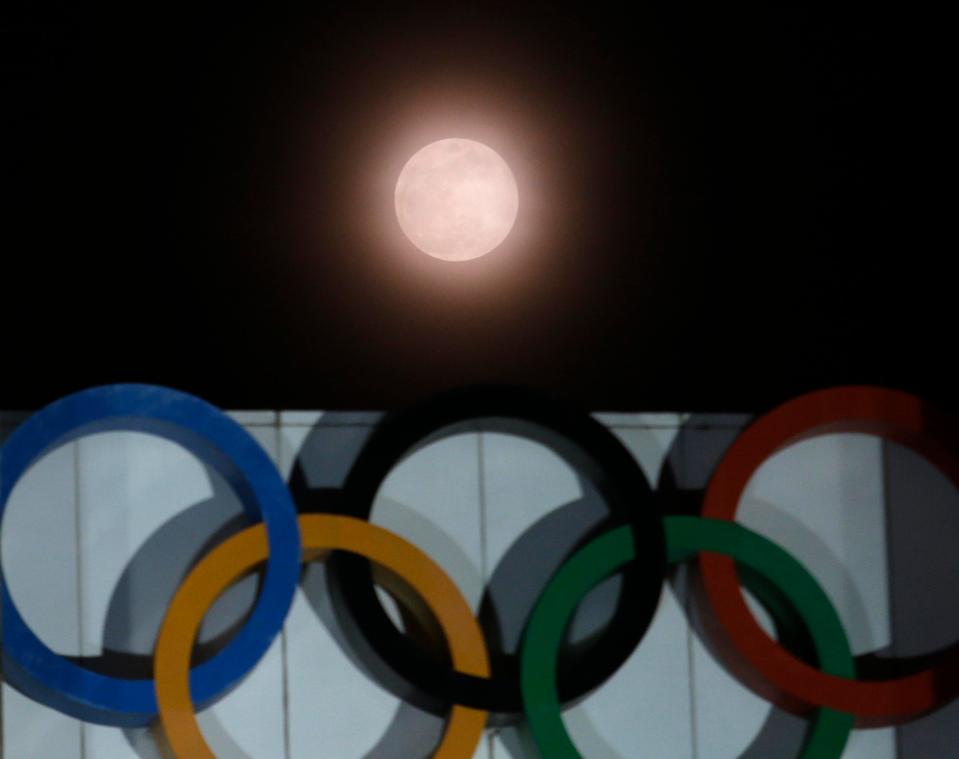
595, 453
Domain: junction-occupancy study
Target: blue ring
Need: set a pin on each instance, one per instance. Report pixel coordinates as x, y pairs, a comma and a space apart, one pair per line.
220, 443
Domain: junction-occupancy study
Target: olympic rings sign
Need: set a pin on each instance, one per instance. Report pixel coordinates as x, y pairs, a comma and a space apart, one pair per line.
639, 542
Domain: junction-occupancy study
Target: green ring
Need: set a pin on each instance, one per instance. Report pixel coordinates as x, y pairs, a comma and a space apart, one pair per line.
685, 536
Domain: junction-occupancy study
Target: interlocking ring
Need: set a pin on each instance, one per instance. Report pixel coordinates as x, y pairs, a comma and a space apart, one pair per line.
595, 453
685, 537
321, 534
637, 542
759, 661
219, 442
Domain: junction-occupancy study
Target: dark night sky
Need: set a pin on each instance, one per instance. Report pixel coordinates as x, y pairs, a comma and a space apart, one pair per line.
728, 207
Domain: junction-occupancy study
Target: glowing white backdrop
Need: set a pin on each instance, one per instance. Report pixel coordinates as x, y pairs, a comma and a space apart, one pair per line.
98, 531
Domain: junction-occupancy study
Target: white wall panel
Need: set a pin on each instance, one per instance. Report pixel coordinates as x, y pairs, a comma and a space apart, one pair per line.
523, 483
147, 507
334, 710
498, 513
644, 710
532, 494
822, 501
923, 512
431, 499
32, 730
250, 721
129, 485
730, 720
38, 548
648, 437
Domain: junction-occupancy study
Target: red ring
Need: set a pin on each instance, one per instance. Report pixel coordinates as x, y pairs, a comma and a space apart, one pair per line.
757, 659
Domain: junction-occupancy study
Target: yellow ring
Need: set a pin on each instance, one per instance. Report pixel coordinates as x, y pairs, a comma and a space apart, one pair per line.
321, 533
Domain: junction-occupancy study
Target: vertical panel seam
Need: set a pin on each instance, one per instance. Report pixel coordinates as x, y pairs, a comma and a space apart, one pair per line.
481, 483
79, 573
680, 440
284, 659
690, 654
898, 742
481, 466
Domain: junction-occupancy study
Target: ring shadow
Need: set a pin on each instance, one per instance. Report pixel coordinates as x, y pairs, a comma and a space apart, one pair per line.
142, 595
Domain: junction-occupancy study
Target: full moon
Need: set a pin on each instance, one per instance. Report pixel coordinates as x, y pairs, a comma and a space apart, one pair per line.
456, 199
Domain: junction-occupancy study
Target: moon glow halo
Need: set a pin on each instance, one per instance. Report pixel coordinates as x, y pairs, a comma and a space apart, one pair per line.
456, 199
